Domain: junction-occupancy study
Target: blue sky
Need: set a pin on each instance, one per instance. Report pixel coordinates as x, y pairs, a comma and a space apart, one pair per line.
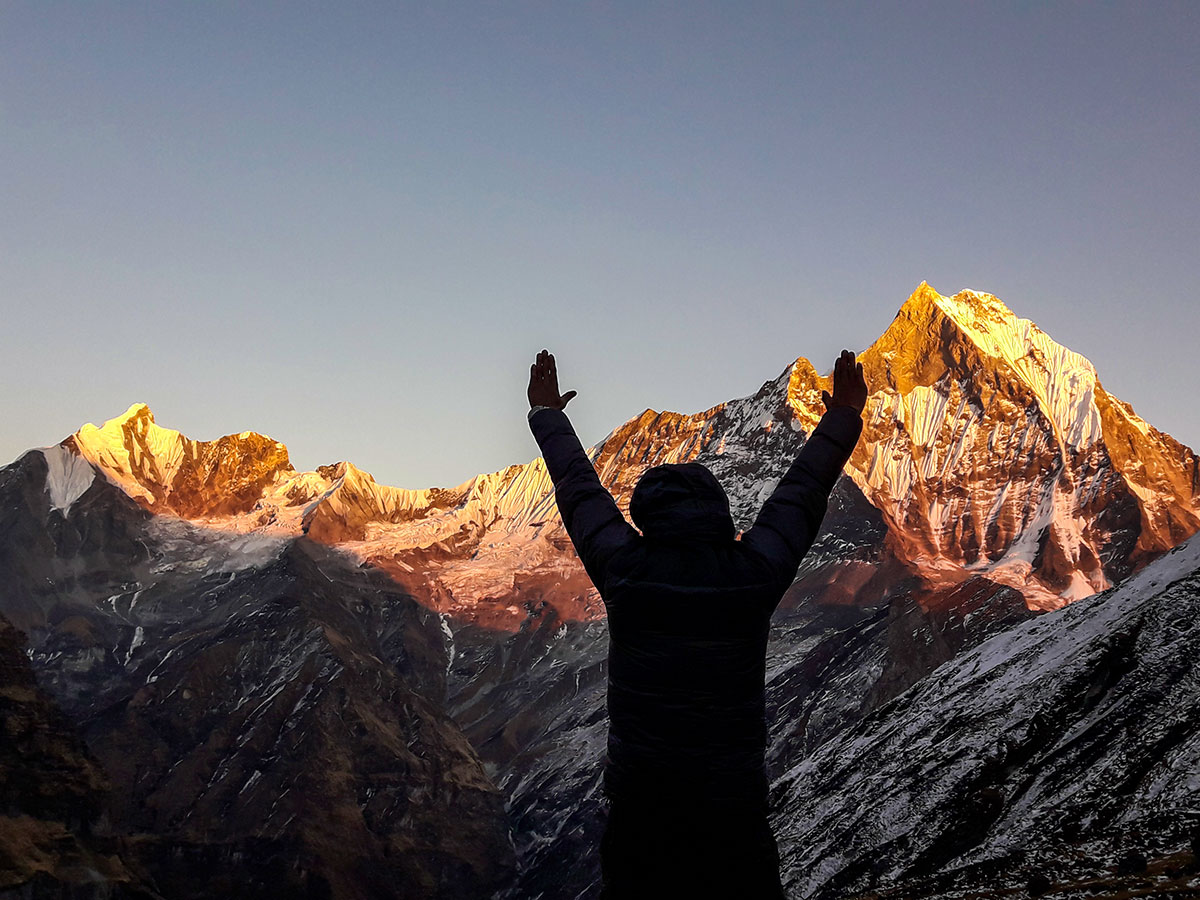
350, 226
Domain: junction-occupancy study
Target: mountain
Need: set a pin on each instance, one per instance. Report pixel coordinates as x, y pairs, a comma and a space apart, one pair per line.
311, 680
53, 834
268, 714
989, 450
1074, 491
1063, 751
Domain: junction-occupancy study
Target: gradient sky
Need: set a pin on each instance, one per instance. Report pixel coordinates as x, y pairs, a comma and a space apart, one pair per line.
350, 226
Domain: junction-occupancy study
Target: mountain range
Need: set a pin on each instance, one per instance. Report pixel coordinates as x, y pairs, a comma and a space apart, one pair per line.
311, 684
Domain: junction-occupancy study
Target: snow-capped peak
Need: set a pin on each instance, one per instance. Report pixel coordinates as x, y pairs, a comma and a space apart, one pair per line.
167, 471
135, 411
1063, 381
131, 449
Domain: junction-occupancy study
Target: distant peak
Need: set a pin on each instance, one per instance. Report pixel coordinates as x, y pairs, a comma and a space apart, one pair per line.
924, 295
136, 411
968, 307
353, 473
138, 419
167, 471
924, 300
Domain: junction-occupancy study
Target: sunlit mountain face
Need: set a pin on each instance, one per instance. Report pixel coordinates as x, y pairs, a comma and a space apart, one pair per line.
312, 680
990, 451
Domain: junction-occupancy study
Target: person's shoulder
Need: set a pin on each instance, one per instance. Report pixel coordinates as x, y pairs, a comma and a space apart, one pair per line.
631, 552
753, 562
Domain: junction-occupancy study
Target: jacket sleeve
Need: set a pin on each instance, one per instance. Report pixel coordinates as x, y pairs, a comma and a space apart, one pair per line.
588, 511
788, 523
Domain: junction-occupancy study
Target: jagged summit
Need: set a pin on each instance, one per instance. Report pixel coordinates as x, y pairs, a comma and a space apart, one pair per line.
135, 411
168, 472
990, 447
923, 294
975, 332
989, 450
926, 295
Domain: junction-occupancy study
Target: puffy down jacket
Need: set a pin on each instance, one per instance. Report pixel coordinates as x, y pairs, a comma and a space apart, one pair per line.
689, 607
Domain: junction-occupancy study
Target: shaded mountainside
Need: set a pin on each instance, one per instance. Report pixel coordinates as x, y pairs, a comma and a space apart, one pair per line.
309, 684
54, 832
534, 706
1057, 751
270, 717
1066, 748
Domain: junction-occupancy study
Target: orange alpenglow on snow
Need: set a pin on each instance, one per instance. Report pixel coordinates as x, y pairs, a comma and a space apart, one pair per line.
989, 450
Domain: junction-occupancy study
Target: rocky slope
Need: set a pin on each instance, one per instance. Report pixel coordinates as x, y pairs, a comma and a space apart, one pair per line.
1066, 747
311, 682
268, 711
1050, 755
54, 833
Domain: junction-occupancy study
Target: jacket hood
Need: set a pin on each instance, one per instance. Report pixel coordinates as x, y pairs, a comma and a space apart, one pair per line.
681, 502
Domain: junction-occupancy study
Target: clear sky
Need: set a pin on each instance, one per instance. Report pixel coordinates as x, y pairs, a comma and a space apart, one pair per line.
350, 226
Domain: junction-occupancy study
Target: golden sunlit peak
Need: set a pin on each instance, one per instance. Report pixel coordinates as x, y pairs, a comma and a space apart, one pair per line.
924, 294
964, 306
136, 411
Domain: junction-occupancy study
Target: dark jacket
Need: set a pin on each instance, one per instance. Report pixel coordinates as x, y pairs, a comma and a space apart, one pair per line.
689, 607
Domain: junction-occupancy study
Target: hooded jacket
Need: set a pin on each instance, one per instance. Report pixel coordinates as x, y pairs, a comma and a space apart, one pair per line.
689, 608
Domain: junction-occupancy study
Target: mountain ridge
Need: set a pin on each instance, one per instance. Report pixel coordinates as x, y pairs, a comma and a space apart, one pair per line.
265, 661
989, 449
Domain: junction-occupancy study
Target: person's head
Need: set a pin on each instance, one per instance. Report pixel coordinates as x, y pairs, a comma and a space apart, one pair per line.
681, 502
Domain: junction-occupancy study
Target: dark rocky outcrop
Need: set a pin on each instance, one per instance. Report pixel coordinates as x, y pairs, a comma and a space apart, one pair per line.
55, 833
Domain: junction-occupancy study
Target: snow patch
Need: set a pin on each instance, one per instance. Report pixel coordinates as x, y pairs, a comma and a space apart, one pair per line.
139, 638
449, 633
68, 476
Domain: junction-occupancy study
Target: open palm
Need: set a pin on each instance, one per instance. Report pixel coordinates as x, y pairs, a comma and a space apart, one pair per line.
543, 383
849, 385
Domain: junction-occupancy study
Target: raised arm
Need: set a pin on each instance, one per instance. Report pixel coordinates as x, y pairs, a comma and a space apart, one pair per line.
790, 519
588, 511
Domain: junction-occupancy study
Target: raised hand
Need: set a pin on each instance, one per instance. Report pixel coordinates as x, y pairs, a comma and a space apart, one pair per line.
849, 386
543, 383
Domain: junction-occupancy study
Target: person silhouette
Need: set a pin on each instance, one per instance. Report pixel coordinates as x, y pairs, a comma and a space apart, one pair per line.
689, 606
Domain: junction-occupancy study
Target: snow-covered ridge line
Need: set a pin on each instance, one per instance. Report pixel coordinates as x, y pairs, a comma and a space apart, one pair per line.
1063, 380
145, 460
984, 449
1028, 716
